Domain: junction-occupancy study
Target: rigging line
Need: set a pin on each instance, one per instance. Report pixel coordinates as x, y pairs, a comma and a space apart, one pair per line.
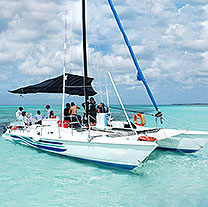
98, 72
189, 124
99, 76
172, 125
170, 141
178, 120
32, 52
64, 66
129, 110
70, 39
104, 85
186, 135
107, 94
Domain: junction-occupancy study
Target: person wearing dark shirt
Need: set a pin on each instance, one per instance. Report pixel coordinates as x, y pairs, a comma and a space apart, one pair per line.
66, 112
84, 115
93, 111
101, 108
91, 105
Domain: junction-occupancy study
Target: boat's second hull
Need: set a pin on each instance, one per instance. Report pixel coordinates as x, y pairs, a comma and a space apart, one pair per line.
186, 145
171, 139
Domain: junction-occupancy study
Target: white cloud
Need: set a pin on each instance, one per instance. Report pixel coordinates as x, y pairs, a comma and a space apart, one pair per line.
3, 77
170, 42
29, 67
205, 56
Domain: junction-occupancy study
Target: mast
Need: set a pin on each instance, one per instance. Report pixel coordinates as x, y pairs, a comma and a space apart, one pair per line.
85, 59
140, 75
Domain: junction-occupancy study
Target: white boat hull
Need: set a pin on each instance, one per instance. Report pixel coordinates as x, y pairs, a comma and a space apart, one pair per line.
171, 139
186, 145
180, 140
117, 152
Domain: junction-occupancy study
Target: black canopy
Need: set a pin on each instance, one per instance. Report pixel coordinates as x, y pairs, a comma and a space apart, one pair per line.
74, 86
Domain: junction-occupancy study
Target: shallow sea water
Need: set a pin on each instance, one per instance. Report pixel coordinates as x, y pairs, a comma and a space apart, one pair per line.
30, 177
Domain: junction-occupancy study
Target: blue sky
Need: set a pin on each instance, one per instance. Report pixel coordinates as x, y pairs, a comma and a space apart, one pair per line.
169, 38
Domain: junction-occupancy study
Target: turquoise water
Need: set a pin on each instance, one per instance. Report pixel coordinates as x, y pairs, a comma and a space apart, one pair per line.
29, 177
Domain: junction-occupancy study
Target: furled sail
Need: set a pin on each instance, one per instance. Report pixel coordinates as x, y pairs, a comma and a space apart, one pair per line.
140, 75
74, 86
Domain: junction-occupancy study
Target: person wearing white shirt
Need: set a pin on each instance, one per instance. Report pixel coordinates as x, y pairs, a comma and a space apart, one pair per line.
19, 113
38, 117
23, 117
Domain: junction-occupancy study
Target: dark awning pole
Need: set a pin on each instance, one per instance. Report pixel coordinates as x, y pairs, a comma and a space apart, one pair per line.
85, 59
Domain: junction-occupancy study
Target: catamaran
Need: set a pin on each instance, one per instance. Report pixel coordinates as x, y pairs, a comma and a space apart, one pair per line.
73, 139
107, 144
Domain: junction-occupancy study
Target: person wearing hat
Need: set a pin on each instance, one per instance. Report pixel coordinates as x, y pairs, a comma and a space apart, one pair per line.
48, 111
19, 113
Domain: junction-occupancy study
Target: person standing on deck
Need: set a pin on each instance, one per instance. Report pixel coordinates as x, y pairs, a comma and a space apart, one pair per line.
93, 112
48, 111
66, 112
73, 109
73, 112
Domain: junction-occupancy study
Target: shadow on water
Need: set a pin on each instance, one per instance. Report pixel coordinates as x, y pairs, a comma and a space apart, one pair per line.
160, 154
175, 153
3, 127
160, 160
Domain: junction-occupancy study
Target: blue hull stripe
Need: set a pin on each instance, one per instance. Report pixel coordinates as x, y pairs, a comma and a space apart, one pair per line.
39, 146
110, 164
179, 150
50, 142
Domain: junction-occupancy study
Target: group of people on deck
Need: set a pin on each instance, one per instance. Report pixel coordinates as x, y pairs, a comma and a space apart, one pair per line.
70, 113
94, 109
27, 117
70, 110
